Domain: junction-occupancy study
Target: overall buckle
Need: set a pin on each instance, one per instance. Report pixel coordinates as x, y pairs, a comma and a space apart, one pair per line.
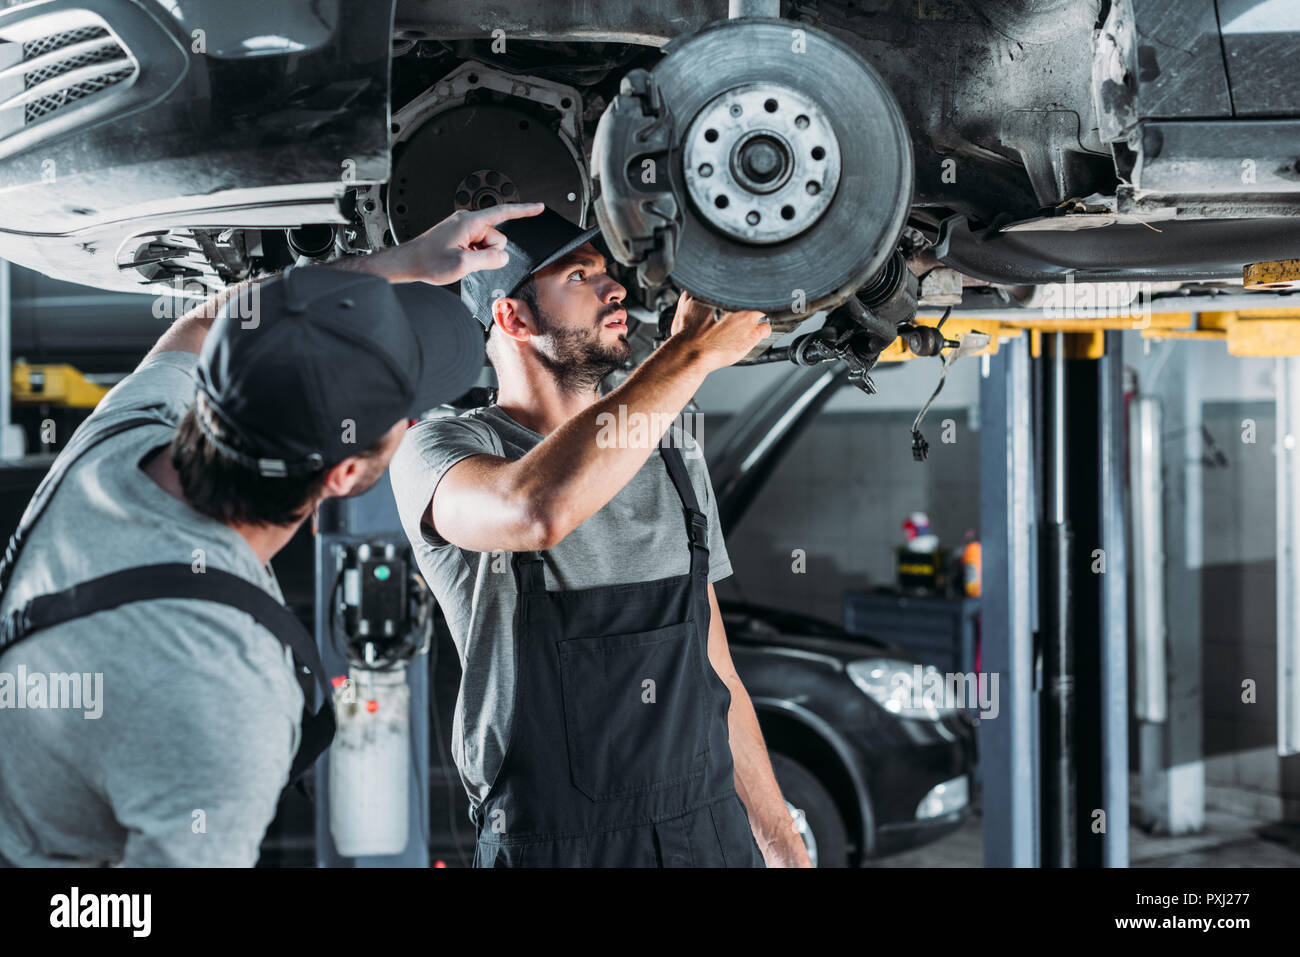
697, 529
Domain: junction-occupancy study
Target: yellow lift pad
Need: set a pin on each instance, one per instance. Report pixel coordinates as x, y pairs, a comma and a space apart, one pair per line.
60, 385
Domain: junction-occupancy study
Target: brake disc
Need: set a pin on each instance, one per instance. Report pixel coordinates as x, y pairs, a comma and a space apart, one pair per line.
787, 169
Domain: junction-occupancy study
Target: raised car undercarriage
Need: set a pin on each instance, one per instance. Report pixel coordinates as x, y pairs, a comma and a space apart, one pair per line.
789, 164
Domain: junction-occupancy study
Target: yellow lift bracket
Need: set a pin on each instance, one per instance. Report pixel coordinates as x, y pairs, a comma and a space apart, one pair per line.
1278, 274
1249, 333
60, 385
954, 328
1013, 325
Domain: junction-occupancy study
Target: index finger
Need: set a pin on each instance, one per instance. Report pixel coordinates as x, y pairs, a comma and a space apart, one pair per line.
493, 215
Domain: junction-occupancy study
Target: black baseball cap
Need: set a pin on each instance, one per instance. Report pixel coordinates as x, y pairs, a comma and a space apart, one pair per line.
316, 364
533, 243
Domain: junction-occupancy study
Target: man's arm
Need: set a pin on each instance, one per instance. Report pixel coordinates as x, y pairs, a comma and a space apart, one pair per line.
445, 253
487, 503
774, 828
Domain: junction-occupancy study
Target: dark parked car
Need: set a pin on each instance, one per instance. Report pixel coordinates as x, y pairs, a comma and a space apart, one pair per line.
864, 773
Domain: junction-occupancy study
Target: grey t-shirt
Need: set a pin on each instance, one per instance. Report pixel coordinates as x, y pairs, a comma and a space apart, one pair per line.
638, 536
199, 705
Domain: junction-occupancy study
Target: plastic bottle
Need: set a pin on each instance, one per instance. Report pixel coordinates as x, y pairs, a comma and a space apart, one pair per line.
970, 566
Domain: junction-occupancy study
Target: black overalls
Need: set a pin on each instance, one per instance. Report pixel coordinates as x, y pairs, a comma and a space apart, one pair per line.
619, 752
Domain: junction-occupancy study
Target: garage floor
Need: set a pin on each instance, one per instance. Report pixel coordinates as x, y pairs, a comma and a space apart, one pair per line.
1229, 840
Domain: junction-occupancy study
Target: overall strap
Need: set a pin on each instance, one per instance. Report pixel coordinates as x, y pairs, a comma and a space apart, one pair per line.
179, 580
529, 565
529, 571
697, 523
90, 434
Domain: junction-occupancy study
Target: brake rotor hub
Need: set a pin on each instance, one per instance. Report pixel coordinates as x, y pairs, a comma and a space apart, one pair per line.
761, 162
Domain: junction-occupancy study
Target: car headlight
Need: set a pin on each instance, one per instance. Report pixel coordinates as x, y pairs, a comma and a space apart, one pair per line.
944, 799
904, 688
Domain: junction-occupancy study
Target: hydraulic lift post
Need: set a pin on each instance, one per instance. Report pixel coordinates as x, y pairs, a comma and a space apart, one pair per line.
1052, 761
350, 522
1008, 745
1056, 624
1084, 641
1113, 662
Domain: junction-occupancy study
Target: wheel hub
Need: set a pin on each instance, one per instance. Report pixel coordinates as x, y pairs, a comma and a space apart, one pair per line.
761, 162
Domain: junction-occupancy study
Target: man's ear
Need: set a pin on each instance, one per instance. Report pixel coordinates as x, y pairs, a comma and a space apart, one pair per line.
514, 318
342, 478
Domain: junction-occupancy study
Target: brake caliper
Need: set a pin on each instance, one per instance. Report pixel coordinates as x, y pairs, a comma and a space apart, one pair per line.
632, 162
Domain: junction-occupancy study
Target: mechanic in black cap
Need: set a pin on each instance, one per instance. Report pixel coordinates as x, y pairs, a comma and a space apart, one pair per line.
146, 586
600, 720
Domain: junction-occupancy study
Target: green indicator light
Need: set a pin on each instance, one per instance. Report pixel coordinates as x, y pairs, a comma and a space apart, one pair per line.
382, 572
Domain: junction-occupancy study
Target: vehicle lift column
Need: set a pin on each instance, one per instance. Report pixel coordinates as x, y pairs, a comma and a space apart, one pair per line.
11, 436
1112, 700
1054, 615
1083, 639
1058, 609
345, 524
1008, 743
1288, 570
